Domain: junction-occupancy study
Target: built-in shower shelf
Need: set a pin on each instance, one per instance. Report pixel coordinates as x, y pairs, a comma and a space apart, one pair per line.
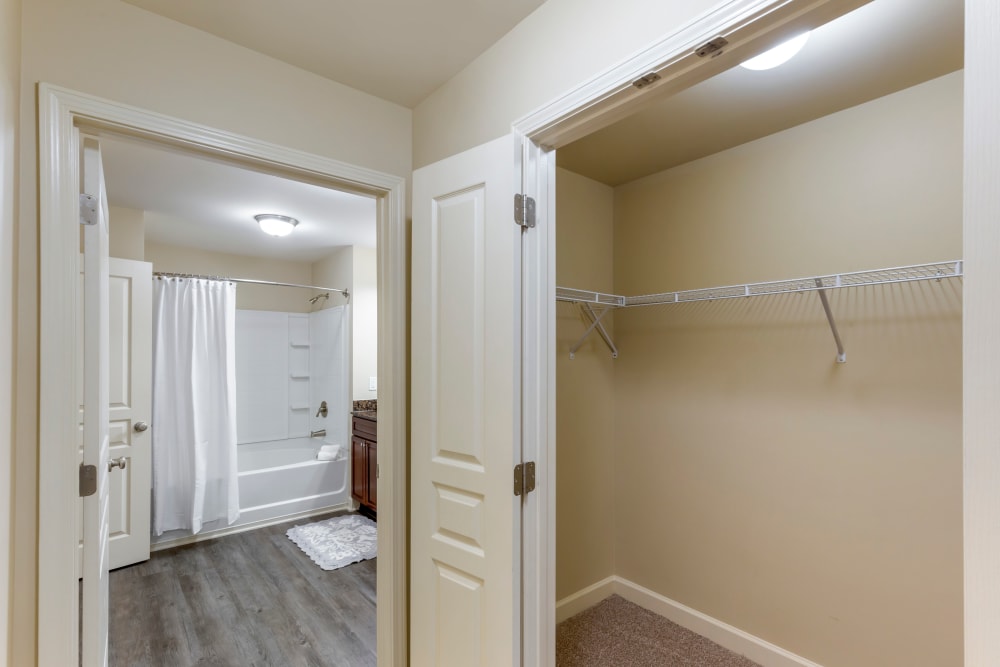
298, 376
294, 344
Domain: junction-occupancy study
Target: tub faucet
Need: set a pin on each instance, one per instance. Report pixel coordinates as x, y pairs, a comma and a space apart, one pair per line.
317, 434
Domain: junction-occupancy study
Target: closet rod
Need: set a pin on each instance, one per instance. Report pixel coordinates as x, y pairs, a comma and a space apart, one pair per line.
160, 274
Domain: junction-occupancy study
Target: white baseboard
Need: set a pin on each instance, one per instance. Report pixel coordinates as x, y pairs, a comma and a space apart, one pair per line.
734, 639
584, 599
213, 534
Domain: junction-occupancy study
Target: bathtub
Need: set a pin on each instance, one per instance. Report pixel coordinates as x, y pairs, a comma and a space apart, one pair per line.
283, 478
277, 479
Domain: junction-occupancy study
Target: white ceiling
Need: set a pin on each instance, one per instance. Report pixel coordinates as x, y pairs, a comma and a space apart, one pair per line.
399, 50
198, 202
880, 48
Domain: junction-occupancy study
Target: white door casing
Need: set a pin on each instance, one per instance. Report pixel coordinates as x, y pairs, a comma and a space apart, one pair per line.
465, 428
94, 606
130, 345
59, 112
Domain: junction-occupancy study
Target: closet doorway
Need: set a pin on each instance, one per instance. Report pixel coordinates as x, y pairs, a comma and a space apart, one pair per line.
62, 112
750, 456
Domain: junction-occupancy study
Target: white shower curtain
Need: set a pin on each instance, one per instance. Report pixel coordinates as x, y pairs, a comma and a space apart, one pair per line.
194, 403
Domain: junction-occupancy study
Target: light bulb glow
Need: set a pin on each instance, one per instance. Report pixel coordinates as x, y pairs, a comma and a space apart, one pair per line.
276, 225
779, 55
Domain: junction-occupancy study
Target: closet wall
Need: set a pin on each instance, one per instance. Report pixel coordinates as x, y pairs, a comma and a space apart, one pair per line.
585, 392
813, 504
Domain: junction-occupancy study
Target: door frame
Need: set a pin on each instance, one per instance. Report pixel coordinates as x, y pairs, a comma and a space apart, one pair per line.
61, 111
749, 26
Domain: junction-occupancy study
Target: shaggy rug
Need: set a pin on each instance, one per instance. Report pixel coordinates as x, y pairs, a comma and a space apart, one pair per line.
336, 542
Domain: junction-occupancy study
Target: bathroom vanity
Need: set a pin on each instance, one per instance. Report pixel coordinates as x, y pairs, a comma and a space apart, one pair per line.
364, 460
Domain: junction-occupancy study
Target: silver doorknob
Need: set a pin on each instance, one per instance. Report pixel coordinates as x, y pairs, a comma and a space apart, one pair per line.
140, 427
120, 462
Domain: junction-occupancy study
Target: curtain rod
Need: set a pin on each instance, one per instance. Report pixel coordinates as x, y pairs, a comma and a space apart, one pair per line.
160, 274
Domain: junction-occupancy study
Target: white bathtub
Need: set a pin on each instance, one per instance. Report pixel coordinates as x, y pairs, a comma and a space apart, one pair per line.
277, 479
283, 477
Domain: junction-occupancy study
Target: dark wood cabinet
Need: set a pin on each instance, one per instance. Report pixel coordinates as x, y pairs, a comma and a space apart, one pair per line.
364, 464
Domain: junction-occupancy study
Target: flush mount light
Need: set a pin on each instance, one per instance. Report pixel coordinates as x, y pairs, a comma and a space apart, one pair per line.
779, 55
276, 225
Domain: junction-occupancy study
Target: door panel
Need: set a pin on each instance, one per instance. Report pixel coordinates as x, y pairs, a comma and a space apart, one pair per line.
465, 520
131, 380
130, 346
94, 605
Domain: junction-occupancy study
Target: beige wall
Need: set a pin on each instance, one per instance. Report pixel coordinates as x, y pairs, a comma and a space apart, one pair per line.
127, 233
10, 72
179, 259
585, 398
364, 304
114, 50
813, 504
562, 44
355, 268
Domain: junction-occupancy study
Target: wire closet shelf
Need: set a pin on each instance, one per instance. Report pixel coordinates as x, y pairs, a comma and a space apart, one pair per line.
902, 274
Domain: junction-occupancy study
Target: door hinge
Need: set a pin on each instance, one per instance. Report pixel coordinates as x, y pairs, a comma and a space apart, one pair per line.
524, 478
88, 480
88, 209
712, 47
524, 211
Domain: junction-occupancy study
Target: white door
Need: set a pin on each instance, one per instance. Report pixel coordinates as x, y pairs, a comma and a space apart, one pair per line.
130, 368
94, 606
465, 392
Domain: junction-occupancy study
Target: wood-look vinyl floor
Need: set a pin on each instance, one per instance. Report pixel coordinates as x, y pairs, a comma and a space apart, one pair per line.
247, 600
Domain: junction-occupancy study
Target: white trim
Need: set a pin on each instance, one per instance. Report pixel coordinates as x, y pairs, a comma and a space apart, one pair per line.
60, 110
207, 535
610, 96
760, 651
980, 331
584, 599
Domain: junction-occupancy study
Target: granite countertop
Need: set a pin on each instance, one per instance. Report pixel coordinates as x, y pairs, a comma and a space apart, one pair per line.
370, 415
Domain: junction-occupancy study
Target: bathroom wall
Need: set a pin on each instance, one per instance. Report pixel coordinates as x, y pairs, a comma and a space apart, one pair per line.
356, 268
814, 504
178, 259
127, 233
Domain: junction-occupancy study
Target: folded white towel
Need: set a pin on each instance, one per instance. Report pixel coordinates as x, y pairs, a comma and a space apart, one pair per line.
328, 453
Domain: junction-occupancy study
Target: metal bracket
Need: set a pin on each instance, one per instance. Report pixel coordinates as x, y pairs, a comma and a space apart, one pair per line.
524, 211
88, 480
88, 209
841, 354
524, 478
595, 323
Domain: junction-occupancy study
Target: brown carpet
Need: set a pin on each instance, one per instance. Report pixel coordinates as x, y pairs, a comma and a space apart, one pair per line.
617, 632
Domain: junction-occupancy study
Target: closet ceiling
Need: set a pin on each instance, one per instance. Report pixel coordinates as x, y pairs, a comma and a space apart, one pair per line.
197, 202
878, 49
398, 50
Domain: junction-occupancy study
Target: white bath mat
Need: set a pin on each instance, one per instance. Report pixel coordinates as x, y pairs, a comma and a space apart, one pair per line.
336, 542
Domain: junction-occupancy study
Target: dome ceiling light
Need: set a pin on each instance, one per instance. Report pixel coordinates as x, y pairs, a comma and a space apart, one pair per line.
275, 225
779, 55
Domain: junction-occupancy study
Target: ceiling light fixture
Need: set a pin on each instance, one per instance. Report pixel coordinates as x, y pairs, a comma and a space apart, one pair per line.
779, 55
275, 225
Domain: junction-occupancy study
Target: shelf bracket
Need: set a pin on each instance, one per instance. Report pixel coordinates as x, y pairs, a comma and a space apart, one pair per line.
841, 355
595, 323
